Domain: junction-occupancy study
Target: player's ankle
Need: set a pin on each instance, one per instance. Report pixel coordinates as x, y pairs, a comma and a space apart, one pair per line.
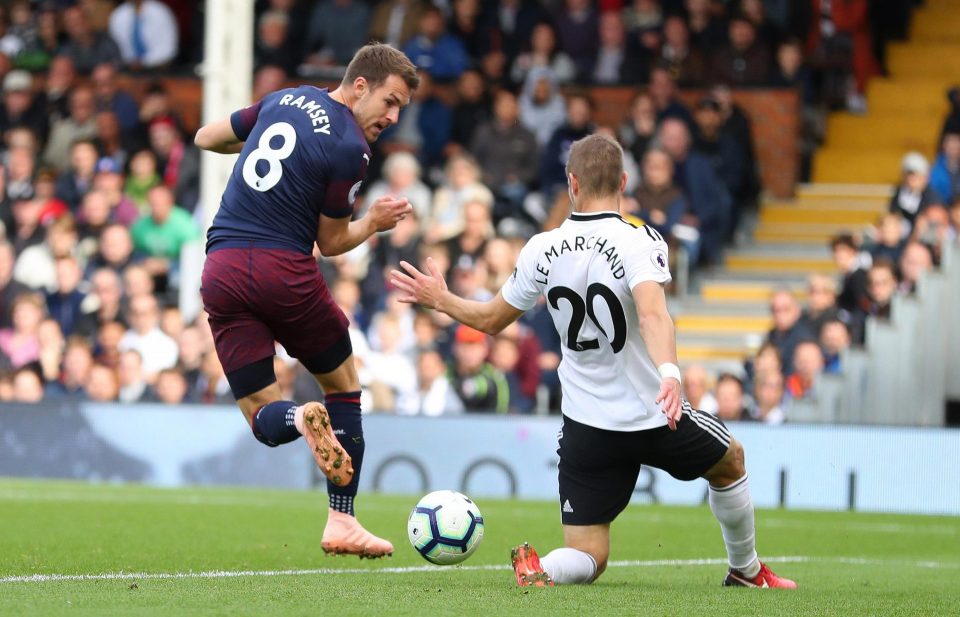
340, 517
342, 503
298, 419
751, 570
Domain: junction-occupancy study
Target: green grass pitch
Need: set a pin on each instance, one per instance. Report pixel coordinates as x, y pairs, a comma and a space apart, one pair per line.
143, 552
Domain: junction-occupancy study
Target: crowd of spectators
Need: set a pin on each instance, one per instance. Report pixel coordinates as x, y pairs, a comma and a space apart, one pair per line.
826, 50
97, 195
873, 266
99, 188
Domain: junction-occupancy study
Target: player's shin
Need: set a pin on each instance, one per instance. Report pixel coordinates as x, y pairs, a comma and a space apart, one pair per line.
345, 418
274, 423
344, 535
733, 508
569, 566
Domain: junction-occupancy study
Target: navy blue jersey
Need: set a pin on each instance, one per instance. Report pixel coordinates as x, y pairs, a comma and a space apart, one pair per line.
305, 155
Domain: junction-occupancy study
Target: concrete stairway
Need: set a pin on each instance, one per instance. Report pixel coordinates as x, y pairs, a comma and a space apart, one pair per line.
905, 110
727, 316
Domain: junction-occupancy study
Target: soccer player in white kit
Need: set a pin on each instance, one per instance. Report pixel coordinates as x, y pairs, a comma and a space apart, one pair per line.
603, 280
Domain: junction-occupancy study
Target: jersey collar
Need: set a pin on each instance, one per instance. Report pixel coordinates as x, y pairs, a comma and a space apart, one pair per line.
592, 216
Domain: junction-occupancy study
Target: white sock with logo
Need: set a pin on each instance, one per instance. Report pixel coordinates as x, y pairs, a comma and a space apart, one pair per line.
733, 508
569, 566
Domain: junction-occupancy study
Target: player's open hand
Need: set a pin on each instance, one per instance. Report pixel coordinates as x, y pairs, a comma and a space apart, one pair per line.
670, 402
387, 211
417, 287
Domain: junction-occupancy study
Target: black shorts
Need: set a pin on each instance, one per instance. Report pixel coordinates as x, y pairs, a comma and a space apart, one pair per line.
599, 468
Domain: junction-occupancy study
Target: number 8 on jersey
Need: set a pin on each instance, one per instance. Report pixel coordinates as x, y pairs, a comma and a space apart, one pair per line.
273, 156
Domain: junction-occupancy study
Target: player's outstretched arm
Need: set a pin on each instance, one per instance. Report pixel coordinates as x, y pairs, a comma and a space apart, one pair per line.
430, 290
218, 137
336, 236
659, 336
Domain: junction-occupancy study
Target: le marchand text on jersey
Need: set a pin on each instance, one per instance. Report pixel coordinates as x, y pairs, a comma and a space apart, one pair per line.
318, 115
581, 243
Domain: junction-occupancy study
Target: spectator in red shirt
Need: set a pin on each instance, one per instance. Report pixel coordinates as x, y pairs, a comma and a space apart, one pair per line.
808, 365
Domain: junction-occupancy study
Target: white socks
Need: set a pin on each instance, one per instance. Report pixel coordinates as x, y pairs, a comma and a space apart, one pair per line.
568, 566
732, 506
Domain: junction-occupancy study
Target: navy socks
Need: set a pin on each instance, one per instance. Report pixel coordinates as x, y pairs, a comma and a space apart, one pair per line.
344, 409
273, 424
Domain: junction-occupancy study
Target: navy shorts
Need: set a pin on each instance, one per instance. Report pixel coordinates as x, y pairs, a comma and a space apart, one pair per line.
599, 468
256, 296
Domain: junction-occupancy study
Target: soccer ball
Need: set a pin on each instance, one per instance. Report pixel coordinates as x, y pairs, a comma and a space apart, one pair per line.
445, 527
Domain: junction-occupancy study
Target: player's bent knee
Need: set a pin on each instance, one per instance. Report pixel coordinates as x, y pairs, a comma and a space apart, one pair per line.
597, 546
342, 379
600, 558
601, 566
737, 466
728, 469
331, 360
251, 404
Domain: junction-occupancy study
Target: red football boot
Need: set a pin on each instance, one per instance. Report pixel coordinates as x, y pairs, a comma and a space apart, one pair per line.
526, 565
765, 578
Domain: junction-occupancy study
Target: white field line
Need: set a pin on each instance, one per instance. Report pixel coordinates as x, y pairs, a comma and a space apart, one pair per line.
659, 563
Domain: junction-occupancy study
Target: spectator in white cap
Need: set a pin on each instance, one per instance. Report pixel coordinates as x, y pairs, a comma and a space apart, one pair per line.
20, 108
913, 194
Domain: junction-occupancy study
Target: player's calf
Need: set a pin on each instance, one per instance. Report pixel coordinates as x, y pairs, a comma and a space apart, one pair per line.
274, 424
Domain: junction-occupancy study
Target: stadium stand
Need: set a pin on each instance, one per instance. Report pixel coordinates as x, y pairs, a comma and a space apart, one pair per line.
807, 146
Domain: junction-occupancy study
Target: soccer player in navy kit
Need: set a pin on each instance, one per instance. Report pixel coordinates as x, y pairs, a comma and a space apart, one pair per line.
303, 156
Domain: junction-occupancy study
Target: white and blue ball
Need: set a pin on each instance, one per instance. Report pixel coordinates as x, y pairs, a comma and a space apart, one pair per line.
445, 527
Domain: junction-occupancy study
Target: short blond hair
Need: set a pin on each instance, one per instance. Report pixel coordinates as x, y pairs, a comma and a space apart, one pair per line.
597, 163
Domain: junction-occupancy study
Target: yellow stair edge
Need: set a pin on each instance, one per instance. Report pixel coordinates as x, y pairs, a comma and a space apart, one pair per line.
775, 236
845, 190
732, 292
814, 216
722, 324
705, 353
828, 204
741, 263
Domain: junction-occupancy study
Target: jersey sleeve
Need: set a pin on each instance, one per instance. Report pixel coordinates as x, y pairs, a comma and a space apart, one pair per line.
648, 259
346, 171
525, 285
243, 120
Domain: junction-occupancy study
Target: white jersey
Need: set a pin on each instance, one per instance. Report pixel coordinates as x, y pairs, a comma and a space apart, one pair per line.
586, 269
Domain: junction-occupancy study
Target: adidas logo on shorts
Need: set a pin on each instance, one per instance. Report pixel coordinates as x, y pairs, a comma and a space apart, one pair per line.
567, 507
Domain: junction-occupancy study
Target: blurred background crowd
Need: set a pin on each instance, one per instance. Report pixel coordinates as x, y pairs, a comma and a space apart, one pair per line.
99, 185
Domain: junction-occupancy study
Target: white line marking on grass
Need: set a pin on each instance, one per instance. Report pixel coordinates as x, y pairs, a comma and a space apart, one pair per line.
657, 563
